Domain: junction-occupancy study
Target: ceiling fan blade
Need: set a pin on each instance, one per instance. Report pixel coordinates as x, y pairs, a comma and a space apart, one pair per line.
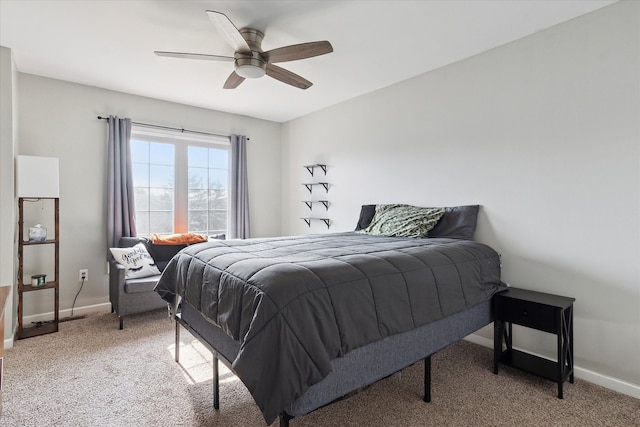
194, 56
228, 31
233, 81
286, 76
298, 51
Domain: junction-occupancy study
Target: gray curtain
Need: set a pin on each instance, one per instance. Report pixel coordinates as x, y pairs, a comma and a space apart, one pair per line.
120, 201
239, 216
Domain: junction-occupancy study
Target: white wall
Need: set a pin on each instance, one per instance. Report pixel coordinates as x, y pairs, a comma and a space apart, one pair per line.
59, 119
8, 142
544, 133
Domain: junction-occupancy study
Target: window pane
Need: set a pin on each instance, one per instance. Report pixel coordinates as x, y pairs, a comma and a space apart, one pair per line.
161, 199
198, 156
140, 173
142, 223
198, 199
218, 158
161, 176
208, 185
161, 154
197, 178
161, 222
198, 221
218, 220
141, 198
139, 151
218, 199
218, 178
154, 181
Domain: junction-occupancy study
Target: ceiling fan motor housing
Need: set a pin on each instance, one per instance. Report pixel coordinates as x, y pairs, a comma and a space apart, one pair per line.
251, 65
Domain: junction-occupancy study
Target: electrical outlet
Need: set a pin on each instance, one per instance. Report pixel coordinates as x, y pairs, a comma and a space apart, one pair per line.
83, 275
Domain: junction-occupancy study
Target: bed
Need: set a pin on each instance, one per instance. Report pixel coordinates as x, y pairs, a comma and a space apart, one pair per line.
306, 320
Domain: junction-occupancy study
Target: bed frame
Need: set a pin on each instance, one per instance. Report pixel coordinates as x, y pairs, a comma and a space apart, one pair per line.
359, 368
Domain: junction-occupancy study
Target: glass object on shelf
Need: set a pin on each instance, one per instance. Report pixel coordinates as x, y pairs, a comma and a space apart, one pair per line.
37, 233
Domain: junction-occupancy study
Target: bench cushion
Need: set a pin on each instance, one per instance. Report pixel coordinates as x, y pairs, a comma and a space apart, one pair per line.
142, 284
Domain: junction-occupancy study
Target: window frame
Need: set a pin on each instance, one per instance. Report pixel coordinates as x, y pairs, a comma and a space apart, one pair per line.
181, 142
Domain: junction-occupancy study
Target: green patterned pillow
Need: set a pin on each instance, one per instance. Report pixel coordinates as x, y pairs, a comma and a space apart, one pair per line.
403, 220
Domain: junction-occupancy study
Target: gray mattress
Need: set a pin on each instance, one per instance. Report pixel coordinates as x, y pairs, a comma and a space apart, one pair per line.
295, 304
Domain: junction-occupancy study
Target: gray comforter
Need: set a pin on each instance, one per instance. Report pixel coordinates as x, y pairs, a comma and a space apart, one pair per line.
295, 303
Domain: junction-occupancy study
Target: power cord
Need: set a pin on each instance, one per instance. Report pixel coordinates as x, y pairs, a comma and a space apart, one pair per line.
76, 297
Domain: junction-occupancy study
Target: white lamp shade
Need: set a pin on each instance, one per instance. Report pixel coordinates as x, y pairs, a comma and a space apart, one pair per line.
37, 176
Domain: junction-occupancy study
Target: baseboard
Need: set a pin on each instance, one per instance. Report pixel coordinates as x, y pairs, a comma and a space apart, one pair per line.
77, 311
63, 315
611, 383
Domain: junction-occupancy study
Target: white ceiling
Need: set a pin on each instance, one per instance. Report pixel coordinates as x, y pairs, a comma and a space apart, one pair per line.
110, 44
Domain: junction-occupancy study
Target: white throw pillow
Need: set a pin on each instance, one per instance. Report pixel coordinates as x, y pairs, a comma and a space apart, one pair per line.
136, 261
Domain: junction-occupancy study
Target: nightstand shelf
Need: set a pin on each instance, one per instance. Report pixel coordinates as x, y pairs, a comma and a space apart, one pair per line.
540, 311
535, 365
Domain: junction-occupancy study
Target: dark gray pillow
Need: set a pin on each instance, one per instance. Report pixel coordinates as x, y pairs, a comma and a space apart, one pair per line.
129, 242
366, 216
458, 222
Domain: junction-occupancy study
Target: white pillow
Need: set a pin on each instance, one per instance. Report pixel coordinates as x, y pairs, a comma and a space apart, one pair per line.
136, 261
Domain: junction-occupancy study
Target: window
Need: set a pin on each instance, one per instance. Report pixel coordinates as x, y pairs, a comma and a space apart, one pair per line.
181, 182
208, 189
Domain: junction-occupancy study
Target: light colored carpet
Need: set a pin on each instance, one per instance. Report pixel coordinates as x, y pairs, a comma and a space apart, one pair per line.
92, 374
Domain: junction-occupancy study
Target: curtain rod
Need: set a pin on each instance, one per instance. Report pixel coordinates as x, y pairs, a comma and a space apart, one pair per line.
172, 128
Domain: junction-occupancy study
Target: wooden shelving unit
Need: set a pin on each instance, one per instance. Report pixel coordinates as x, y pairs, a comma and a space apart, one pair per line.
54, 285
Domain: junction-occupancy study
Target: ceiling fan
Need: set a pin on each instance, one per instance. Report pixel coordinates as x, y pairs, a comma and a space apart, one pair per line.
250, 60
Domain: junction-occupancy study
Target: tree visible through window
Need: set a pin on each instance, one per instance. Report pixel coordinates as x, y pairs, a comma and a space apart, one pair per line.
208, 190
181, 183
153, 167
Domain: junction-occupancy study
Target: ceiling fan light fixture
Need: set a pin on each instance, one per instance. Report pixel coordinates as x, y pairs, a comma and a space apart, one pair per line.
249, 71
250, 66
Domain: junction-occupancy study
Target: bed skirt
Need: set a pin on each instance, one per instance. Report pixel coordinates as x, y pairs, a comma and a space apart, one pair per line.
362, 366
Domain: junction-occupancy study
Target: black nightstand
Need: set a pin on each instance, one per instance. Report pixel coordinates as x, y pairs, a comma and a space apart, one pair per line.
536, 310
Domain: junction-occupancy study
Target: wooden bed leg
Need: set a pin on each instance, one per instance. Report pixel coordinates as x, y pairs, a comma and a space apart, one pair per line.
284, 419
427, 379
216, 384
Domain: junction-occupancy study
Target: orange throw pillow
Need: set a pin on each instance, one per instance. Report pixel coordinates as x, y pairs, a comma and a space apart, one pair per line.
177, 239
